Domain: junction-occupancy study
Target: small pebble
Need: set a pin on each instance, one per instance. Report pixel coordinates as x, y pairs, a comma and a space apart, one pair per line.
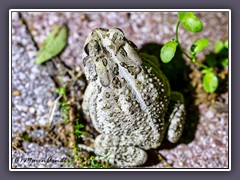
209, 114
78, 69
16, 93
180, 163
32, 110
50, 103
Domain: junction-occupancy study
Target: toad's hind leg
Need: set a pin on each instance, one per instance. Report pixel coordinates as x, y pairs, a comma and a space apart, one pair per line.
176, 117
110, 148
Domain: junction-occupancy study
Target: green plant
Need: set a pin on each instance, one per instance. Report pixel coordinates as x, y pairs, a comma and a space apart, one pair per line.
221, 51
63, 104
26, 137
78, 131
96, 164
78, 128
190, 22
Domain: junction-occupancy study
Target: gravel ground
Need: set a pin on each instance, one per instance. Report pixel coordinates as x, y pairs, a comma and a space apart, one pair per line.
31, 85
33, 89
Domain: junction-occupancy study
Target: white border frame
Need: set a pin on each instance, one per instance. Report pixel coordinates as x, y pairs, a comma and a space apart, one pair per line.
116, 10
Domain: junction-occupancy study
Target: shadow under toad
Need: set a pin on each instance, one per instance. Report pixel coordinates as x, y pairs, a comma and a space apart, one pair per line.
177, 73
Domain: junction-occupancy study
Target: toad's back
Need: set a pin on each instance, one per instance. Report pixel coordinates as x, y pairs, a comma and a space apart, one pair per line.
126, 97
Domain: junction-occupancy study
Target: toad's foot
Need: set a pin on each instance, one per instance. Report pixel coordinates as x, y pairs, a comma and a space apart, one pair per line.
176, 115
109, 148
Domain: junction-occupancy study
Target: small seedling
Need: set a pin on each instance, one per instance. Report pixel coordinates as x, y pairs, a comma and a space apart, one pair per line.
190, 22
63, 104
26, 137
78, 129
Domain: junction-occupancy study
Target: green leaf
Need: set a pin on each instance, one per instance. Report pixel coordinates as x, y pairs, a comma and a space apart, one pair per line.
210, 82
218, 47
226, 44
224, 62
53, 44
168, 51
61, 91
190, 21
199, 45
207, 70
193, 58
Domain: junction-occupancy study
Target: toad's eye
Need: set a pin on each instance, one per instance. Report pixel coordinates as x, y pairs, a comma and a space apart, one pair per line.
132, 44
86, 49
92, 48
